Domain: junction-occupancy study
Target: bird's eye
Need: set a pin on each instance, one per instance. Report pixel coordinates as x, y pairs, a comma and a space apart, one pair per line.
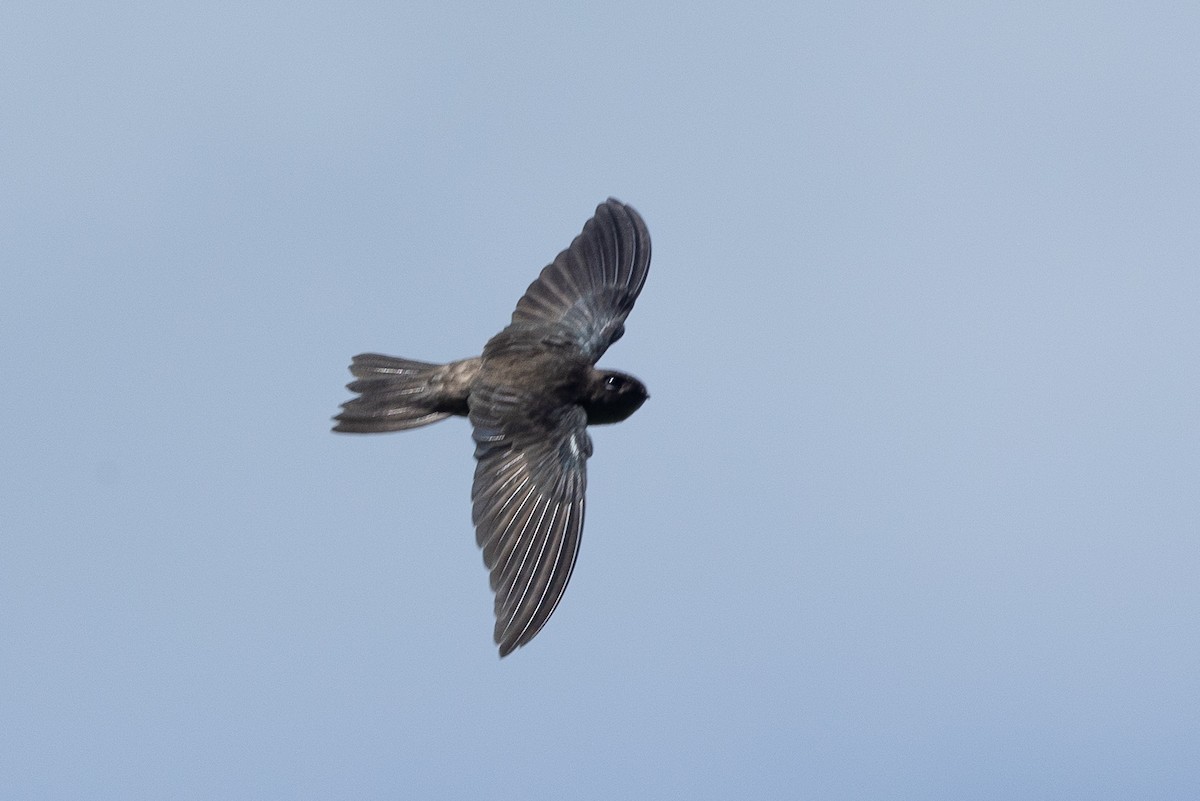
612, 382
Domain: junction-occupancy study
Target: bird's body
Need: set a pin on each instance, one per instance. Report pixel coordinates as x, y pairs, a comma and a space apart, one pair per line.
530, 397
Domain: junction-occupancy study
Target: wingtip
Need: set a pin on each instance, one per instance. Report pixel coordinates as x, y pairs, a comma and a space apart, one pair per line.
620, 204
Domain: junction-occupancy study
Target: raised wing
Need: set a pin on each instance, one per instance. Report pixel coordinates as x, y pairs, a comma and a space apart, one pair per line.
591, 286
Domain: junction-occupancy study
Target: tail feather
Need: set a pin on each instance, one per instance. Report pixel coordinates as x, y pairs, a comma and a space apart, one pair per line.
394, 395
376, 365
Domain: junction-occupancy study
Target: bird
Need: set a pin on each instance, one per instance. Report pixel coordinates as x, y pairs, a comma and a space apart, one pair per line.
529, 397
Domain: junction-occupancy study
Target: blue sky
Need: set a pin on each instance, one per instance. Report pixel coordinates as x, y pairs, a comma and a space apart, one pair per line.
912, 511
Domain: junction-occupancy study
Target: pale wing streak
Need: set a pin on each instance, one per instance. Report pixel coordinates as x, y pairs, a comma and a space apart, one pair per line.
507, 544
564, 294
500, 514
512, 543
610, 256
562, 541
511, 577
548, 594
489, 505
529, 581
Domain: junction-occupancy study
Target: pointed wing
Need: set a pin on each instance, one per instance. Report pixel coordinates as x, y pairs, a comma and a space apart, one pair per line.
528, 503
591, 286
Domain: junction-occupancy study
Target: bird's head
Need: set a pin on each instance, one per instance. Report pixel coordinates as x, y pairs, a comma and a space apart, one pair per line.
613, 396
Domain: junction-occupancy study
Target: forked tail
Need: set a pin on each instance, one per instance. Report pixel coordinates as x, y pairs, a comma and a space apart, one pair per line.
395, 395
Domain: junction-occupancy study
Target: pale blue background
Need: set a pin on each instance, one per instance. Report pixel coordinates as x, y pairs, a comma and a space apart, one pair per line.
913, 512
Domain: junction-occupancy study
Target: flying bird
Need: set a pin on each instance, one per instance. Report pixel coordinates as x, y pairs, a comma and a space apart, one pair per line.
530, 398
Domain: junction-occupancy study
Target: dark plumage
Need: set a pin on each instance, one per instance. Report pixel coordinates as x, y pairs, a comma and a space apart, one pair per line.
530, 398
